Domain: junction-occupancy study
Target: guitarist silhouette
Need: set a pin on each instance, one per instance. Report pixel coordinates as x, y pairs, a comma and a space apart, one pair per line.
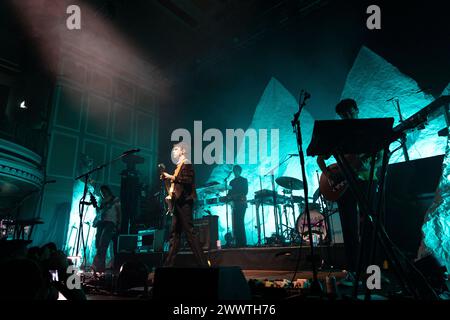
180, 200
108, 223
334, 188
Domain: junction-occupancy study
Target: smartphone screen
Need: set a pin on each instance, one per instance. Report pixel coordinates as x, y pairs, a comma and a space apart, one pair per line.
54, 275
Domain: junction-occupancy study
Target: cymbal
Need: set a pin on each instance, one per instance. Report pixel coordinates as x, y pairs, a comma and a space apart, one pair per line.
298, 199
211, 187
289, 183
208, 185
316, 195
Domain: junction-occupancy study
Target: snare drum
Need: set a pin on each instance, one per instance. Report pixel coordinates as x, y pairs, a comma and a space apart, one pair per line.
318, 225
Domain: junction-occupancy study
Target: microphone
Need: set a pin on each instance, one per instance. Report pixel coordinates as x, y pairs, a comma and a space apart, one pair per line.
131, 151
293, 154
229, 174
307, 95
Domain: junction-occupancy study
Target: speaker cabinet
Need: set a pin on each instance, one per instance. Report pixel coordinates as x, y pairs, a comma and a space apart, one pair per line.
151, 240
410, 190
127, 243
207, 231
200, 284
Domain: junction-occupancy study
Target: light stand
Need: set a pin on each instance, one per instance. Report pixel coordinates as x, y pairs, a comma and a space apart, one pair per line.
316, 288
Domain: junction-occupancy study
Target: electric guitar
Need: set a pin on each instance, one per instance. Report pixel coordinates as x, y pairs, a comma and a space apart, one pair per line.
96, 206
169, 186
334, 190
100, 209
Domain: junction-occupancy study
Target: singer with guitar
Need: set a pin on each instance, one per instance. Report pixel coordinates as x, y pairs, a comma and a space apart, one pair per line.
334, 188
107, 222
181, 197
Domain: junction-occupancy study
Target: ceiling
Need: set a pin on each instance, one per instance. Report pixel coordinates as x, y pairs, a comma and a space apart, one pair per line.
185, 34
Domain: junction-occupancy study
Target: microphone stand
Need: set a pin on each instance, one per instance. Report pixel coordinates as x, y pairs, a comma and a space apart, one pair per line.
316, 288
404, 147
226, 212
83, 202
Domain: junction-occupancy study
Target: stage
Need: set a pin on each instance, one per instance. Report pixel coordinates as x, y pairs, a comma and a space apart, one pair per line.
239, 132
250, 258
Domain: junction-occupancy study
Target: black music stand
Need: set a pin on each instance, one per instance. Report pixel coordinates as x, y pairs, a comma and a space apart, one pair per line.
363, 136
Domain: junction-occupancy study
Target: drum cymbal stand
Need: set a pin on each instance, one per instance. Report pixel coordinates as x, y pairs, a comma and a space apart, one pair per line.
260, 204
289, 231
327, 213
278, 225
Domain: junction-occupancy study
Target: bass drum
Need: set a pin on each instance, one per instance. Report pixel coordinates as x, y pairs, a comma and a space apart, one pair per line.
318, 225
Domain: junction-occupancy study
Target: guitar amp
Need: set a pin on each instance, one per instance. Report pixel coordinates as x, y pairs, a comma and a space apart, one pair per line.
151, 240
207, 231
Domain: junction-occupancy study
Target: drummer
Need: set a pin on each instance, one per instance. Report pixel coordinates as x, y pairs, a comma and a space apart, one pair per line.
238, 197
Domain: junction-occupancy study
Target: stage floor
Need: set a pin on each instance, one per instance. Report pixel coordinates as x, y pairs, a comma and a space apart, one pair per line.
250, 258
263, 264
258, 275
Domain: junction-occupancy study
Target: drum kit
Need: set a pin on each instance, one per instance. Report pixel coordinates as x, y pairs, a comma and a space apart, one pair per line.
298, 232
290, 222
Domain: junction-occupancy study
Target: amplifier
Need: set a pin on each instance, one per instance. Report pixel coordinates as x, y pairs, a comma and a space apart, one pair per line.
151, 240
127, 243
207, 231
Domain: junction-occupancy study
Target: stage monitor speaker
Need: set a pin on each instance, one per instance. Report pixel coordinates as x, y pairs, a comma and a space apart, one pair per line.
410, 190
200, 284
127, 243
151, 240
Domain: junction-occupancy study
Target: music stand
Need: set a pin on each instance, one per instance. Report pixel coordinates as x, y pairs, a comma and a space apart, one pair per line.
362, 136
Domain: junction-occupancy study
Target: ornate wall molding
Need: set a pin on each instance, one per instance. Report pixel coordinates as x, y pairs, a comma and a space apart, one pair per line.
20, 164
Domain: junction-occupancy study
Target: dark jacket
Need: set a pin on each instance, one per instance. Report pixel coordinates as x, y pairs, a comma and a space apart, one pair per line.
184, 184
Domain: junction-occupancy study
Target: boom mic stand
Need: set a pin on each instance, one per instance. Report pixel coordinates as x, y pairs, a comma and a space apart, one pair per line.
83, 202
316, 288
400, 116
